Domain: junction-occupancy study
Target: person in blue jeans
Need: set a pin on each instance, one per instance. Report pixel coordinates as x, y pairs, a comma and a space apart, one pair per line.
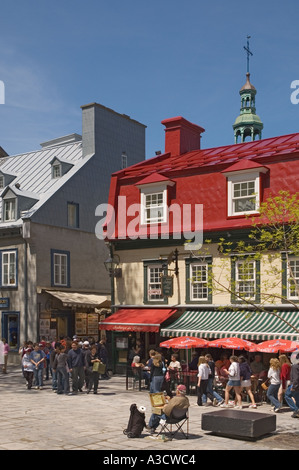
60, 367
274, 376
38, 357
293, 391
218, 400
157, 374
180, 401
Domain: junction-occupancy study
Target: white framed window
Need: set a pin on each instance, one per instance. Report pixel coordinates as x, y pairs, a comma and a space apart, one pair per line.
243, 193
2, 182
154, 283
293, 279
60, 268
153, 207
10, 212
199, 281
243, 197
9, 268
245, 278
56, 170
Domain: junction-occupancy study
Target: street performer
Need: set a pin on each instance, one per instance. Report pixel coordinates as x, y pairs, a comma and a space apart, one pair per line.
178, 401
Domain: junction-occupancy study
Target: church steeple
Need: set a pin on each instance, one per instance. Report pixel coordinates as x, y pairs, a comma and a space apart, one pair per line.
248, 123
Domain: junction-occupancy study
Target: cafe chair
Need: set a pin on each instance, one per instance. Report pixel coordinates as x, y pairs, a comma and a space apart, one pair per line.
175, 424
134, 378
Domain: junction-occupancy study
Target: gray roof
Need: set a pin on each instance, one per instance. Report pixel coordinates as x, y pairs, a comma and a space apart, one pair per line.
34, 172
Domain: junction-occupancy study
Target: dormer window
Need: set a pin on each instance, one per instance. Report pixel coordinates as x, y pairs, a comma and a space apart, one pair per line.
6, 178
154, 198
10, 212
56, 170
60, 167
244, 196
15, 202
154, 207
244, 184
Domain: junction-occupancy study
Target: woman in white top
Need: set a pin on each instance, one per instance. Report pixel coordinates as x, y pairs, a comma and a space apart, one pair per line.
274, 376
234, 382
203, 378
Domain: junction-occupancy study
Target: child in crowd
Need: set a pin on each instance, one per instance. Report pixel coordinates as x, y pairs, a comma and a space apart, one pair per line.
174, 363
37, 357
27, 367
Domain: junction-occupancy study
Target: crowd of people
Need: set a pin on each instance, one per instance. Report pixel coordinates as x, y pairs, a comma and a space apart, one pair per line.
70, 364
235, 374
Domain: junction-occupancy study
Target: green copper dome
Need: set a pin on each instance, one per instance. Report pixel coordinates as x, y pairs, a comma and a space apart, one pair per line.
248, 118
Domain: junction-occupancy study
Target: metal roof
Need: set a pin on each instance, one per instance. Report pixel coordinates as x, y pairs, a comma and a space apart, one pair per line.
34, 174
203, 159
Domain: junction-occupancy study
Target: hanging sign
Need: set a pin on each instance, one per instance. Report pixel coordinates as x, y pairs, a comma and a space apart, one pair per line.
167, 286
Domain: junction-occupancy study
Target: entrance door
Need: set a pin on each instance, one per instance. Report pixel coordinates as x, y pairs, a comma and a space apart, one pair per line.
64, 321
62, 326
11, 329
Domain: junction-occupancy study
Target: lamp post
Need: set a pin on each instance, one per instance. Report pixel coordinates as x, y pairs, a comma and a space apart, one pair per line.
111, 264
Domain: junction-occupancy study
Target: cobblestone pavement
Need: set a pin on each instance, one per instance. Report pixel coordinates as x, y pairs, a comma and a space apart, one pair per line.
42, 420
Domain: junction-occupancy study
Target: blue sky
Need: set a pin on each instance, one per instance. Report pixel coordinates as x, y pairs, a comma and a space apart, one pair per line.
150, 60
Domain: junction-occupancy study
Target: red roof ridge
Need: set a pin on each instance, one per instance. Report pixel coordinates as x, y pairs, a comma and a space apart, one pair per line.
225, 154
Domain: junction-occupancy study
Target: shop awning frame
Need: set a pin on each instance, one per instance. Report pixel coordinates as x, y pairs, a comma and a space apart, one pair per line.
138, 319
249, 325
79, 299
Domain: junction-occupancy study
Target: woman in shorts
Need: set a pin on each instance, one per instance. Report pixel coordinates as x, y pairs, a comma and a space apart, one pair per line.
234, 381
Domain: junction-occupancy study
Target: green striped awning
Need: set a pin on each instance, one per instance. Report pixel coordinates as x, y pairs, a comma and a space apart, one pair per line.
240, 324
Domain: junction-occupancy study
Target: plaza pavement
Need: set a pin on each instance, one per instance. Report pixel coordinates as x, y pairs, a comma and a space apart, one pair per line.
42, 420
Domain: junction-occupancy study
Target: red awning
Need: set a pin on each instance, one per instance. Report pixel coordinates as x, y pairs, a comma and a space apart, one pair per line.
137, 319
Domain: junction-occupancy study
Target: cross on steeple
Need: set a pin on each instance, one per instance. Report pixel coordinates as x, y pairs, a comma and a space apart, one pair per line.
249, 53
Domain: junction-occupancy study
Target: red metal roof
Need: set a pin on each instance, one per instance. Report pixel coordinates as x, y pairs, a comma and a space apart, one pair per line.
259, 151
199, 177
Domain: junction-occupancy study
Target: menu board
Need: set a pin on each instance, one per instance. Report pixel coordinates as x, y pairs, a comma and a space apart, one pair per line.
44, 327
87, 324
92, 324
81, 324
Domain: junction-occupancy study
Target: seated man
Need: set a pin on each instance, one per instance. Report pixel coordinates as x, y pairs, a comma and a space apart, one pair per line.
178, 401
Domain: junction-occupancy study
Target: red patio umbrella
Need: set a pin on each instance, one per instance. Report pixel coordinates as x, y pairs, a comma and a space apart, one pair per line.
233, 343
184, 342
278, 345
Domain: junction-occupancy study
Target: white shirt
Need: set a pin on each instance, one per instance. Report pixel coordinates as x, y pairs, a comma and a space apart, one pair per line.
274, 376
234, 371
204, 371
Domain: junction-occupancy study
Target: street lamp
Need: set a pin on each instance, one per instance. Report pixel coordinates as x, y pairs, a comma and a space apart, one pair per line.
111, 266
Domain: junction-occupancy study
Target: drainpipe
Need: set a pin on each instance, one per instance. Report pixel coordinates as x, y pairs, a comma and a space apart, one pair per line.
26, 289
26, 235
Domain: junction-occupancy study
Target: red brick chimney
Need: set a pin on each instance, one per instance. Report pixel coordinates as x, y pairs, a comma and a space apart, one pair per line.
181, 136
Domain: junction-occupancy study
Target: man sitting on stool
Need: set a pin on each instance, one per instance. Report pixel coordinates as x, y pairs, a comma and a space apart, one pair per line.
178, 401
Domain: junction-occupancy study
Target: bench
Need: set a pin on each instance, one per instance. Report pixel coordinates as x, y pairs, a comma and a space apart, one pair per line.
239, 424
